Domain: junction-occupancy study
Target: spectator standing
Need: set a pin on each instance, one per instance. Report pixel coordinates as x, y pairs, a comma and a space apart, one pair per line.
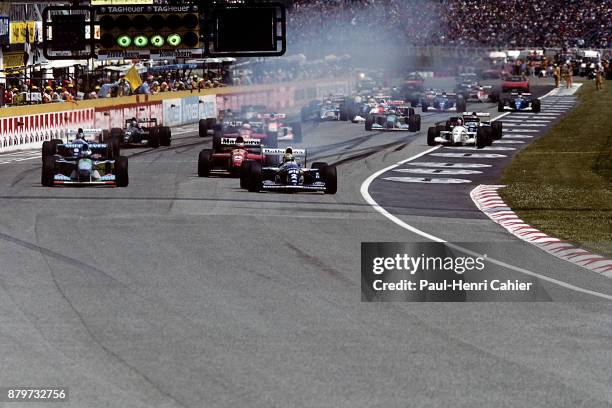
570, 75
599, 78
557, 75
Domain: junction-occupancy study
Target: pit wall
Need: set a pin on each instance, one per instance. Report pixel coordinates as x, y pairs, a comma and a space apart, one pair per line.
26, 127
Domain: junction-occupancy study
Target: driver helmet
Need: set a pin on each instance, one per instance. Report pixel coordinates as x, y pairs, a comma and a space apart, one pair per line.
288, 157
460, 122
246, 126
240, 142
134, 122
80, 135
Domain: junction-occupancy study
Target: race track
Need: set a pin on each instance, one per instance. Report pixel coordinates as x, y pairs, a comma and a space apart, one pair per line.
180, 291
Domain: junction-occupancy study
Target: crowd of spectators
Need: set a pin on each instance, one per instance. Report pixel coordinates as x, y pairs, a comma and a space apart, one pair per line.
68, 90
508, 23
561, 23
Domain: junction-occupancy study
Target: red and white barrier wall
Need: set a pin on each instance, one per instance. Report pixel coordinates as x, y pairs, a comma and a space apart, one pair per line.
28, 131
25, 130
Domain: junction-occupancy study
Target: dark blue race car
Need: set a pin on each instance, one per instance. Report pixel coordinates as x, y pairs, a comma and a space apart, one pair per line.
517, 101
444, 102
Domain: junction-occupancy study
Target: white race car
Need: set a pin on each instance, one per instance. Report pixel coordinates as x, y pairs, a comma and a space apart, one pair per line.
470, 129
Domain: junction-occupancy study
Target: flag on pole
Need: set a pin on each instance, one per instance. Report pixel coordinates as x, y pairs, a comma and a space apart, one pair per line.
133, 78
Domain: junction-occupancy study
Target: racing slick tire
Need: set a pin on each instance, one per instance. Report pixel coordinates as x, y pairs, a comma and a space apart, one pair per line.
350, 112
121, 171
203, 128
304, 114
411, 112
48, 171
330, 177
536, 106
483, 138
154, 138
271, 139
497, 128
318, 165
49, 148
369, 122
255, 178
424, 107
297, 132
165, 136
343, 113
245, 169
461, 105
414, 123
204, 125
116, 133
432, 132
204, 163
216, 144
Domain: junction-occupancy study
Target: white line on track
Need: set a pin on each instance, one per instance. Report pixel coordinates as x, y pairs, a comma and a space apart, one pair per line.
444, 165
470, 155
434, 171
368, 198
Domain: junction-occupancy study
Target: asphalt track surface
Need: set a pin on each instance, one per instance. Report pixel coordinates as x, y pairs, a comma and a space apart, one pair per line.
181, 291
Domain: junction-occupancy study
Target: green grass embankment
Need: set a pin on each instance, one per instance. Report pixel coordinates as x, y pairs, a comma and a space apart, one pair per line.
562, 183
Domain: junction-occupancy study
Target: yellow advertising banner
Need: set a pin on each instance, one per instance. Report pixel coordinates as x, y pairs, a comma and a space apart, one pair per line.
19, 29
13, 60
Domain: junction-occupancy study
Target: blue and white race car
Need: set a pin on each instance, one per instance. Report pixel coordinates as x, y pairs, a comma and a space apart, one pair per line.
445, 102
288, 176
81, 162
518, 101
394, 118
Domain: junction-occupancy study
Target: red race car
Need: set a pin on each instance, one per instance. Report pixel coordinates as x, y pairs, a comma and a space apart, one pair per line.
515, 83
230, 157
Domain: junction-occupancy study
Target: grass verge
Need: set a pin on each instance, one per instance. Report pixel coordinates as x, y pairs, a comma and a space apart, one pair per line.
562, 183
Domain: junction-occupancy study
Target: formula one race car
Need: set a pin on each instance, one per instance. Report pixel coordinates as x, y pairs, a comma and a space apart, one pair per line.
515, 83
469, 129
142, 132
276, 123
395, 118
290, 175
84, 163
411, 88
470, 88
95, 136
234, 154
519, 101
246, 129
332, 108
445, 102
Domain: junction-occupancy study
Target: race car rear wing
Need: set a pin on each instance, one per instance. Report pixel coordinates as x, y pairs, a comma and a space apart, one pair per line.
86, 132
297, 153
273, 116
231, 141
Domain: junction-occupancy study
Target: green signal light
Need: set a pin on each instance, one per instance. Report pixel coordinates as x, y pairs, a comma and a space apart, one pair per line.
141, 41
174, 40
124, 41
157, 40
